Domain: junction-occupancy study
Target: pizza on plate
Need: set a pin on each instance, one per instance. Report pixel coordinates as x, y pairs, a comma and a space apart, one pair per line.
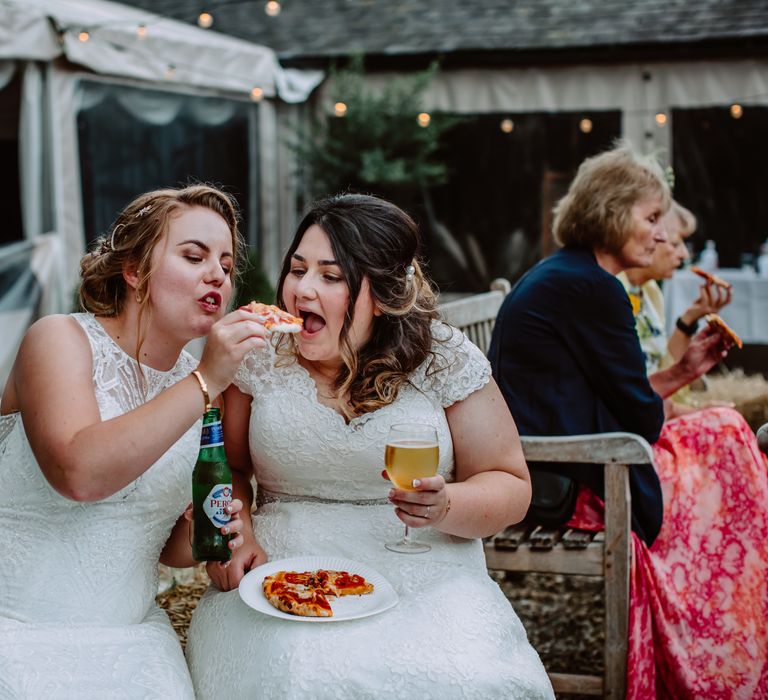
274, 318
306, 593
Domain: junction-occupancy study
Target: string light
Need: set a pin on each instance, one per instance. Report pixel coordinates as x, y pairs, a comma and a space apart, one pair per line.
205, 20
585, 126
256, 94
507, 126
141, 31
83, 36
272, 8
737, 112
339, 109
661, 118
424, 119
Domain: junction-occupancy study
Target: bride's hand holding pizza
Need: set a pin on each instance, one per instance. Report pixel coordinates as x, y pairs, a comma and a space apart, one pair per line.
230, 339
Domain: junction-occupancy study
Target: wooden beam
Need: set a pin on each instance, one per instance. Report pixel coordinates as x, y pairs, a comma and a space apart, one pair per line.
600, 448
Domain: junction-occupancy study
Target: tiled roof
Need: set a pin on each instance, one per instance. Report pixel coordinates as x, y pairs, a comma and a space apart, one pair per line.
326, 28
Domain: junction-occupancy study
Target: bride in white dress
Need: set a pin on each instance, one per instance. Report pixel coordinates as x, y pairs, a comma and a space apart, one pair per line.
97, 451
309, 419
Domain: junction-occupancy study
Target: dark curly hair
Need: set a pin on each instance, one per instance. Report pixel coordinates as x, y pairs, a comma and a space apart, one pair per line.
375, 240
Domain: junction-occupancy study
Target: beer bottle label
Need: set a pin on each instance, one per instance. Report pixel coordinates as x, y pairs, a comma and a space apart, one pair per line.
212, 435
217, 500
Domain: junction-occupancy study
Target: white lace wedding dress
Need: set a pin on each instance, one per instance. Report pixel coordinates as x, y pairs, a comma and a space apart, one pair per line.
78, 580
453, 634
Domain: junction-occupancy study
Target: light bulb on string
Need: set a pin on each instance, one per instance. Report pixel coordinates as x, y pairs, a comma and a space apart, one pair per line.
205, 20
424, 119
272, 8
661, 119
585, 126
83, 36
339, 109
507, 126
737, 111
141, 31
256, 94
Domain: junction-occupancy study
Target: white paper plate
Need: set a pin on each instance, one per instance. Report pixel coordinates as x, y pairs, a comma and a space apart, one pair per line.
345, 608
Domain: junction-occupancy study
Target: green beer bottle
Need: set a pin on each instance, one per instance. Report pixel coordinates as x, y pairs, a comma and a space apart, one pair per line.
211, 492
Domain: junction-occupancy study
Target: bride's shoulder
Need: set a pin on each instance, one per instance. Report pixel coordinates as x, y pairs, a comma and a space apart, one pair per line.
454, 366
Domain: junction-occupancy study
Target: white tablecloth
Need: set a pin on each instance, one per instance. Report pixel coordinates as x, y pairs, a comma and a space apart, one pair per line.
747, 313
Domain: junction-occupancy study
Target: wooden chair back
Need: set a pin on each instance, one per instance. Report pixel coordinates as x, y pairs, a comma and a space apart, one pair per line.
526, 548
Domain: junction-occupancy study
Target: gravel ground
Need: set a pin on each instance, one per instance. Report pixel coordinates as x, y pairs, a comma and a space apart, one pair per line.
564, 618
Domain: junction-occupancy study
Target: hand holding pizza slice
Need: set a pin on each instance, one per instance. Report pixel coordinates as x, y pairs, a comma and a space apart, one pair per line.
711, 278
724, 329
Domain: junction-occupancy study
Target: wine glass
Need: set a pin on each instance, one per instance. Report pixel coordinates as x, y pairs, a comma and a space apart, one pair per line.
411, 453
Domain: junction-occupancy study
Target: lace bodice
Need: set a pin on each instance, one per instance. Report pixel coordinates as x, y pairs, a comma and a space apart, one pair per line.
91, 562
291, 430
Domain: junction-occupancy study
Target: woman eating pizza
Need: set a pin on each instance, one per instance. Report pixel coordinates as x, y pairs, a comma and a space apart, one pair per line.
568, 360
308, 418
99, 432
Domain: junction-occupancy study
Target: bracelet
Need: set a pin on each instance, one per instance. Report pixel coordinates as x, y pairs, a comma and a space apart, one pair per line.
687, 328
203, 388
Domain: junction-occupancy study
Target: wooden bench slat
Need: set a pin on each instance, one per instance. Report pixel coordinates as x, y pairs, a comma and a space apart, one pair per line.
558, 560
576, 684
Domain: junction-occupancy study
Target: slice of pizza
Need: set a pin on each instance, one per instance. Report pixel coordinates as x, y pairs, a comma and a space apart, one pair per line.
724, 329
293, 593
305, 593
711, 278
274, 318
339, 583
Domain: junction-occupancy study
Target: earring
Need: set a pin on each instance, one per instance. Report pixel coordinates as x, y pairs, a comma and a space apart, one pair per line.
138, 297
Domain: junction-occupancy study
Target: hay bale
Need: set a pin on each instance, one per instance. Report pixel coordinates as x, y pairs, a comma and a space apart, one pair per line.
748, 394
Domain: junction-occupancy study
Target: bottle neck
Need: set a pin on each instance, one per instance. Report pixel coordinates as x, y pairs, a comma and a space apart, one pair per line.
212, 437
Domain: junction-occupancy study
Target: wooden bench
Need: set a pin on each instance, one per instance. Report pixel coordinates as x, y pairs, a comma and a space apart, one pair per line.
523, 548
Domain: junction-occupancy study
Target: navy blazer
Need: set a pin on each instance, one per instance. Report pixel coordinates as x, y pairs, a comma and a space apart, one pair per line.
567, 359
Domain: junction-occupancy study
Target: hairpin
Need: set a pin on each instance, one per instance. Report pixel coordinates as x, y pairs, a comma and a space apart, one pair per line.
143, 210
410, 271
105, 247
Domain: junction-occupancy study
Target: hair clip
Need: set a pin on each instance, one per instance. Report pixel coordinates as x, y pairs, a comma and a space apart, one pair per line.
105, 247
410, 271
143, 210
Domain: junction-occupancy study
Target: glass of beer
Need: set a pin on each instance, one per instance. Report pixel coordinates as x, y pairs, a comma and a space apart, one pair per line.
411, 453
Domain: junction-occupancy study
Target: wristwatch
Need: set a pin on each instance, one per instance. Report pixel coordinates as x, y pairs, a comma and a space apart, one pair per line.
688, 328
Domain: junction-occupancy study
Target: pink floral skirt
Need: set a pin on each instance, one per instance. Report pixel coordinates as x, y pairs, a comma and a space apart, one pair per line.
698, 621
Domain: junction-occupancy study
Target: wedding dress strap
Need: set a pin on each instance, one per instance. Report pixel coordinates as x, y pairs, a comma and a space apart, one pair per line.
263, 497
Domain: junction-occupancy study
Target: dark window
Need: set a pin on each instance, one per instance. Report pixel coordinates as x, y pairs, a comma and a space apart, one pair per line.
10, 190
493, 218
133, 140
720, 175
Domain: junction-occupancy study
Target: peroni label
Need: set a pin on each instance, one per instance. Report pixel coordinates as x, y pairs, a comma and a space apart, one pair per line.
212, 435
216, 501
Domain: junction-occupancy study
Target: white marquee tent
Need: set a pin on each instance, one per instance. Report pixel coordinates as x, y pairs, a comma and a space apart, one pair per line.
55, 48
